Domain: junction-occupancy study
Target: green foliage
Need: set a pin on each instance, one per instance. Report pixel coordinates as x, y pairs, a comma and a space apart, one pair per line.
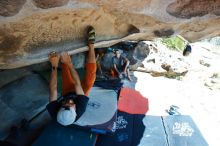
174, 43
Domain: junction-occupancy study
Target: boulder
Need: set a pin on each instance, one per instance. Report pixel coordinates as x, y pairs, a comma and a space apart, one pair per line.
193, 8
141, 51
29, 30
10, 7
164, 62
50, 3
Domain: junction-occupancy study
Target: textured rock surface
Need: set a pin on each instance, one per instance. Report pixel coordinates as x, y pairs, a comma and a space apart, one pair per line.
36, 27
192, 8
10, 7
18, 100
9, 76
50, 3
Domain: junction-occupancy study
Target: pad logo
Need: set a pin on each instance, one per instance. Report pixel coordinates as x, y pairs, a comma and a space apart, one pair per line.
94, 105
122, 136
182, 129
121, 123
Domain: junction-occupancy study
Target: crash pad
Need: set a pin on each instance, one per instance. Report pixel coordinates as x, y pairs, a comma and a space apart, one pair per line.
182, 130
56, 135
154, 133
178, 130
128, 129
142, 130
101, 111
131, 101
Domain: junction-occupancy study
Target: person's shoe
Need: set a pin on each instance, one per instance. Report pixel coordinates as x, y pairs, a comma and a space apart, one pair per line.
173, 110
91, 35
174, 107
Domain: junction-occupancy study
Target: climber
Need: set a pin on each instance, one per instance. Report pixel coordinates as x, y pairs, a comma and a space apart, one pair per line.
120, 65
74, 92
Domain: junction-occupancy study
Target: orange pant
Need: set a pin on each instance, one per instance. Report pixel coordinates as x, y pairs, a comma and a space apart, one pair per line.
113, 73
87, 83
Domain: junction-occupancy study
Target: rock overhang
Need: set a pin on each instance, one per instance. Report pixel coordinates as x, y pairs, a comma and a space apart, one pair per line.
33, 28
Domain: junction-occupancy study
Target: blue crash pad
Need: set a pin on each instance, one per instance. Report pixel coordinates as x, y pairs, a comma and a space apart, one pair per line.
183, 131
56, 135
125, 127
141, 130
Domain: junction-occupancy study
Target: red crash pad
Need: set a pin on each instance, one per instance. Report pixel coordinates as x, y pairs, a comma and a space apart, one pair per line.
131, 101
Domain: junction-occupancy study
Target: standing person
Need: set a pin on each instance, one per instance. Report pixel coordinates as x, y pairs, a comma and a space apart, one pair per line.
121, 65
75, 92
